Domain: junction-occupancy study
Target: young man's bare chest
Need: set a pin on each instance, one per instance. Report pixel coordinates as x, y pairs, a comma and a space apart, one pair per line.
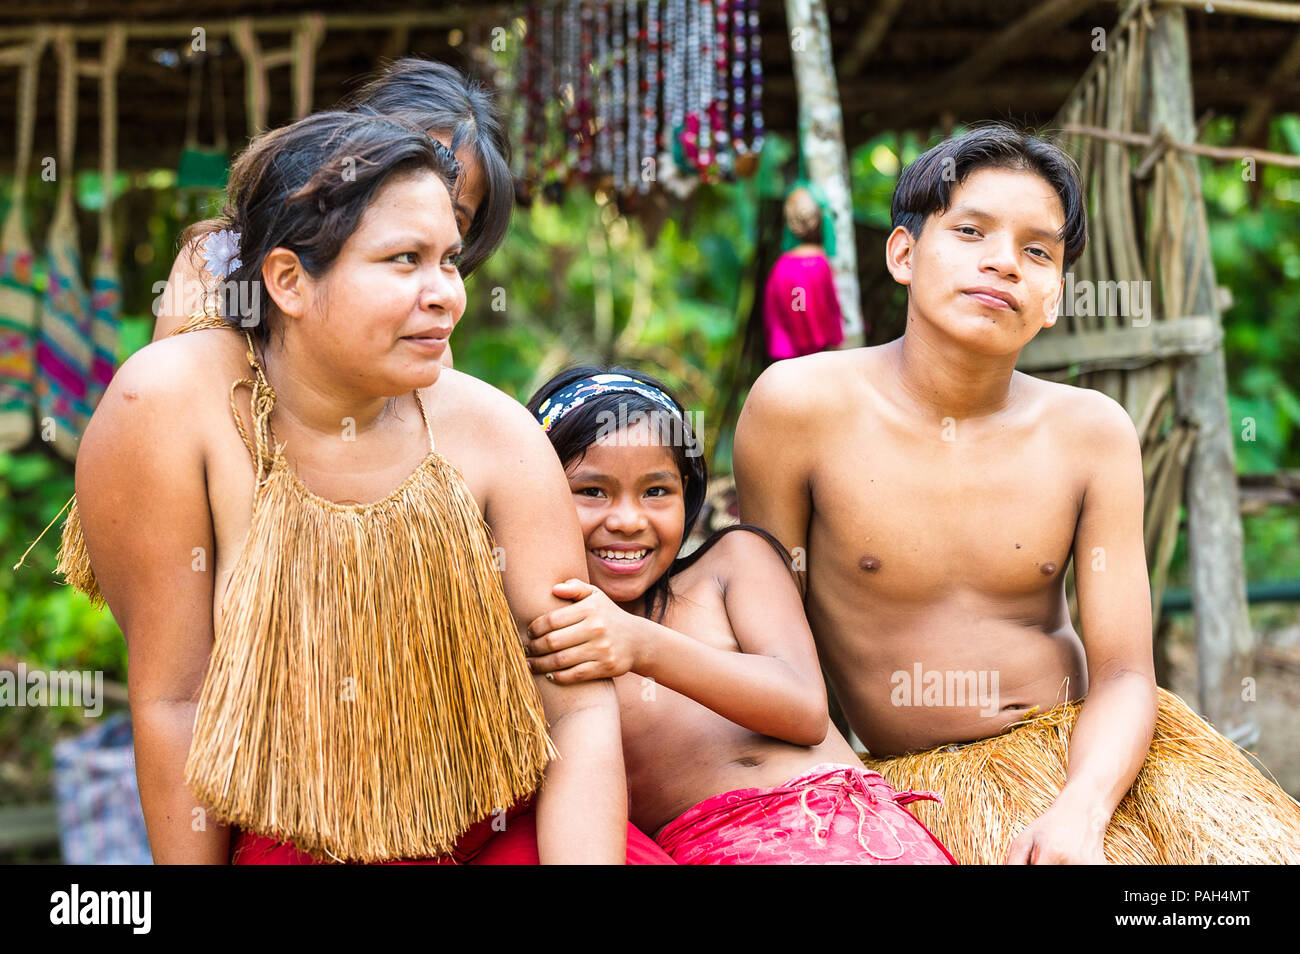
943, 544
908, 513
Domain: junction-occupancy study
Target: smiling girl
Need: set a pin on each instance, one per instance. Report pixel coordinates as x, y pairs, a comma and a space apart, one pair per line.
730, 753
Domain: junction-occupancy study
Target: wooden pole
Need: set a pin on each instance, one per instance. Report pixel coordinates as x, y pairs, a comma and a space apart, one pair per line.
821, 134
1225, 643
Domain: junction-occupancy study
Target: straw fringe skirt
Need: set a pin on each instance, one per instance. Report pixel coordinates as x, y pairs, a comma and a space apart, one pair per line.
1197, 799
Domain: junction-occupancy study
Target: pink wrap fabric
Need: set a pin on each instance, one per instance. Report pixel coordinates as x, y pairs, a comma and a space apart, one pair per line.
801, 313
831, 814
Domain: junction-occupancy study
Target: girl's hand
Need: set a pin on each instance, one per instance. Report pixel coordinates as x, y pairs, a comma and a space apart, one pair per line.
590, 639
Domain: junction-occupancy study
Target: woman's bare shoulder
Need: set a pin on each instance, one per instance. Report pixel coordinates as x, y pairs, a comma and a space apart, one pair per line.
171, 387
473, 404
498, 446
186, 360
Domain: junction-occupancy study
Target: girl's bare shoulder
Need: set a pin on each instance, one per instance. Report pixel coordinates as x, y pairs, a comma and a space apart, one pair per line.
187, 362
739, 552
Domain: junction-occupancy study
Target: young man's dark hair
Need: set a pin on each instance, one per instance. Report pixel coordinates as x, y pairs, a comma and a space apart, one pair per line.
926, 185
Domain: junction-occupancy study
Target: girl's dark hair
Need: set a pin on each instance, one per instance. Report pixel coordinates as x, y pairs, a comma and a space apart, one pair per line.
438, 98
927, 184
304, 187
581, 427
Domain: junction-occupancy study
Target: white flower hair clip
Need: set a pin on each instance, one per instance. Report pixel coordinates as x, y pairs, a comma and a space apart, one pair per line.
221, 252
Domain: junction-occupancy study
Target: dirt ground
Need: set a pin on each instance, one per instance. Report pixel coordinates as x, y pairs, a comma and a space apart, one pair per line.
1277, 675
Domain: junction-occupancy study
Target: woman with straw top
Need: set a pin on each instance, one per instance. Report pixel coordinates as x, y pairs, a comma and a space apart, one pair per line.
323, 602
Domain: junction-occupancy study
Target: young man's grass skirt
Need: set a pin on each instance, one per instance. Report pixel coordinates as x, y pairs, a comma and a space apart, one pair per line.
1197, 799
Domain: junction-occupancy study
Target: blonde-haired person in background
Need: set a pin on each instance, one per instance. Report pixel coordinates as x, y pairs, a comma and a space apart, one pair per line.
801, 312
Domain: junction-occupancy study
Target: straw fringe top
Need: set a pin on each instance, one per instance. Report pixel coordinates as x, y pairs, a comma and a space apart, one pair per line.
367, 696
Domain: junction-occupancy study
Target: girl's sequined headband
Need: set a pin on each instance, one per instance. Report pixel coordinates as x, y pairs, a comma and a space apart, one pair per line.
555, 407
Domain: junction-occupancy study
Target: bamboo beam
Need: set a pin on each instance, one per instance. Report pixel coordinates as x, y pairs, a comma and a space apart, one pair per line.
220, 26
1287, 12
1225, 642
869, 37
998, 49
1124, 347
821, 135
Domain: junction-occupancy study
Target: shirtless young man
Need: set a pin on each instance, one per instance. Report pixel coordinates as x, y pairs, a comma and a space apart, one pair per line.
938, 495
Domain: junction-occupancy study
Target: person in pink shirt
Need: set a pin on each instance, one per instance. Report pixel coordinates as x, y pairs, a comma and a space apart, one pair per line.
801, 313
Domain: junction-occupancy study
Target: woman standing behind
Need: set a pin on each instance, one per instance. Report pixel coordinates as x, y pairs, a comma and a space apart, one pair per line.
454, 109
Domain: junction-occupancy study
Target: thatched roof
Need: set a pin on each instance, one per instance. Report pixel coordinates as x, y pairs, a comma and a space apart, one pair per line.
918, 63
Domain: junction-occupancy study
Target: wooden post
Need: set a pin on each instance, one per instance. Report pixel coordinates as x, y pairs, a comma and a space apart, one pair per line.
821, 135
1224, 640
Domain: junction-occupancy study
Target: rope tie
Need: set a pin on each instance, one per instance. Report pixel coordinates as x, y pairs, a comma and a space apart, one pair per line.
28, 58
261, 405
241, 32
851, 784
306, 38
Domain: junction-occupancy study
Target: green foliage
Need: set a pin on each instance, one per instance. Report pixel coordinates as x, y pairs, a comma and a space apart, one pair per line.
1256, 241
873, 172
1255, 236
43, 622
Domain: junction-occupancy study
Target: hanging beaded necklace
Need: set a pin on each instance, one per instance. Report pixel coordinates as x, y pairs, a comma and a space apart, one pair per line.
705, 28
619, 92
650, 86
553, 155
530, 91
721, 165
755, 77
604, 137
739, 50
570, 69
690, 135
586, 106
635, 40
